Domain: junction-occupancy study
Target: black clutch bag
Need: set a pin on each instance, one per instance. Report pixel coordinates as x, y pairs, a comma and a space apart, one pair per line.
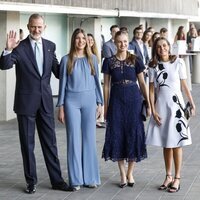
144, 110
187, 110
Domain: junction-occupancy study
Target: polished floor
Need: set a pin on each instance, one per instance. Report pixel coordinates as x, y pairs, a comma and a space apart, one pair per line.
148, 174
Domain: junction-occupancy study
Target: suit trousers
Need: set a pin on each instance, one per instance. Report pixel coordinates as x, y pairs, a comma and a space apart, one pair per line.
46, 132
80, 110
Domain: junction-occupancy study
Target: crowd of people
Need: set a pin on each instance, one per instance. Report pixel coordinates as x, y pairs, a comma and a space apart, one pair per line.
136, 70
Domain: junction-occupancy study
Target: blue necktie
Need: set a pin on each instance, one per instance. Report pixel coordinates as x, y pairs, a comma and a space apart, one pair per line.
39, 58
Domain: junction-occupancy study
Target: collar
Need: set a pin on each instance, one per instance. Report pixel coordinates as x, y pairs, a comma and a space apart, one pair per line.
33, 41
139, 42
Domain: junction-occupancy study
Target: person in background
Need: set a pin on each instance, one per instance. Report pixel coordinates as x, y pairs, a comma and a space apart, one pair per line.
154, 37
150, 28
180, 35
163, 32
93, 47
109, 47
21, 34
33, 102
146, 38
192, 28
80, 100
192, 35
140, 49
124, 28
125, 135
168, 126
102, 42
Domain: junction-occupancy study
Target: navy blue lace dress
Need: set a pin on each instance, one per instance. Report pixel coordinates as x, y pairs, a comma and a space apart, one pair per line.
125, 136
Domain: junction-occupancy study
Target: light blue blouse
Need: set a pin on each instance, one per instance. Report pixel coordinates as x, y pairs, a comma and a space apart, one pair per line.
80, 80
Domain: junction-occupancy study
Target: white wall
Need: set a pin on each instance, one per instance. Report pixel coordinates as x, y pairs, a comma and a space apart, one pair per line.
131, 23
8, 21
106, 24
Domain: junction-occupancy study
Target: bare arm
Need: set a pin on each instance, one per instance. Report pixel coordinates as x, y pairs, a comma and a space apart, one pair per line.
143, 88
106, 93
188, 95
156, 116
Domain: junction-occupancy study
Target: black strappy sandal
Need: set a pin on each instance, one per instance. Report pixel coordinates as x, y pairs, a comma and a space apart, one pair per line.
165, 187
173, 189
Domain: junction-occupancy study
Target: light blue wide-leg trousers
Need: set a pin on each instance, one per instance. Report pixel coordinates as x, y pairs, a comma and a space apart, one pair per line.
80, 117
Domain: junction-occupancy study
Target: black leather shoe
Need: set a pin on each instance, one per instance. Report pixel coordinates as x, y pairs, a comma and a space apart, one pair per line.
62, 186
131, 184
30, 188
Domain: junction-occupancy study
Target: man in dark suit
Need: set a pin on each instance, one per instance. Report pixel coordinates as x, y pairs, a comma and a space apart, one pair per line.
33, 99
109, 47
140, 49
138, 46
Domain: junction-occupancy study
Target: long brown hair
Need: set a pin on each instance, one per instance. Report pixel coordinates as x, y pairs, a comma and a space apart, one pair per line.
155, 57
72, 51
94, 47
130, 58
180, 33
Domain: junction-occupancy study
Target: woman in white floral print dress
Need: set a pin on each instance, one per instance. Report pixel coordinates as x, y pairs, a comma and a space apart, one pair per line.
168, 126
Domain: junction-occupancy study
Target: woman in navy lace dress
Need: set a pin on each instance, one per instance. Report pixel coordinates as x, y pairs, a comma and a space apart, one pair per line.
125, 136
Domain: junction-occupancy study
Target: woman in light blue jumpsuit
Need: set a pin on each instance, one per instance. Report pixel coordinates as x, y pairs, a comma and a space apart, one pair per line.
80, 100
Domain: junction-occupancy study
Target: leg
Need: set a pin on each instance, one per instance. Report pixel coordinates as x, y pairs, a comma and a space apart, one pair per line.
46, 132
74, 141
177, 154
26, 126
130, 173
168, 158
88, 121
121, 165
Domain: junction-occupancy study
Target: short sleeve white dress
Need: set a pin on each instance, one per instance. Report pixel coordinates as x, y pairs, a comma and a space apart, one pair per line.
174, 131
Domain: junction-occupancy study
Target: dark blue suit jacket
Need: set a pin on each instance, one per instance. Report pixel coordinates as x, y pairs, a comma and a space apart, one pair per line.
133, 45
109, 49
31, 88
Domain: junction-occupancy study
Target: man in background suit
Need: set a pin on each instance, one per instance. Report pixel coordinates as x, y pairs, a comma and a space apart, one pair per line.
109, 47
139, 48
33, 100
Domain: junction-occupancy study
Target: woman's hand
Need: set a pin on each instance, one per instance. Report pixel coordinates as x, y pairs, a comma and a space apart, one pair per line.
61, 114
99, 111
193, 111
157, 118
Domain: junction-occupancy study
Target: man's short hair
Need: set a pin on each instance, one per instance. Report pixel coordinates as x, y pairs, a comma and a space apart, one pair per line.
35, 16
163, 30
113, 26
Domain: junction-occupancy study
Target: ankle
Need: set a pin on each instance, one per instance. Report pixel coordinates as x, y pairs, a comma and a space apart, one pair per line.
169, 177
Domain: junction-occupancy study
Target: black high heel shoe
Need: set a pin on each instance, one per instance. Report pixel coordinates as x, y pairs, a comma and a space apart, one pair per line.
122, 185
130, 184
165, 187
173, 189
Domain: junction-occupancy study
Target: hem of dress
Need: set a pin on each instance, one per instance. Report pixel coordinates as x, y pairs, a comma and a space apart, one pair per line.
125, 159
158, 145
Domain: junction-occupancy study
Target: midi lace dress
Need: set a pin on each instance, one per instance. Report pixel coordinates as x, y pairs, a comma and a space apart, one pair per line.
125, 135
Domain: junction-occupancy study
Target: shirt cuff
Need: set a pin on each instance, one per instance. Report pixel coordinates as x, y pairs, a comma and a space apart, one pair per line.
6, 52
